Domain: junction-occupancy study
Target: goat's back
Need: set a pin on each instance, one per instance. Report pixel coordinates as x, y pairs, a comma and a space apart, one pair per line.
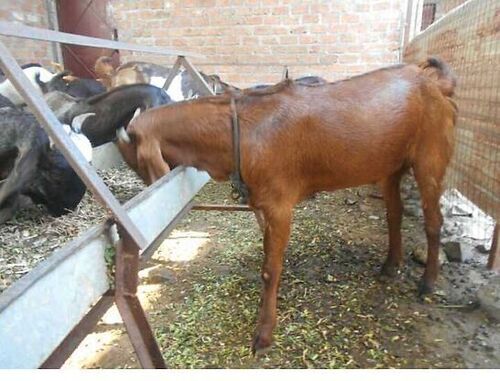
346, 133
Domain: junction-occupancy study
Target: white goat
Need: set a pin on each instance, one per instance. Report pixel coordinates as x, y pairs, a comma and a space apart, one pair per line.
8, 90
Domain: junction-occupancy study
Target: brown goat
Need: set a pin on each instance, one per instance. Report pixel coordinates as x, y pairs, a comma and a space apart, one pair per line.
299, 139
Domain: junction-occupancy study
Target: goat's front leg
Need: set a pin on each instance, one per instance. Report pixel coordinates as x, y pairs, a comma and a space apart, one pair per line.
8, 208
276, 235
22, 173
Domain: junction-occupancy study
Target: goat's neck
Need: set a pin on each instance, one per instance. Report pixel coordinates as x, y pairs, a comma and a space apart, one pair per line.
201, 140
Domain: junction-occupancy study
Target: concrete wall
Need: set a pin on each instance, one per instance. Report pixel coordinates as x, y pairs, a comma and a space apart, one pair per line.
249, 41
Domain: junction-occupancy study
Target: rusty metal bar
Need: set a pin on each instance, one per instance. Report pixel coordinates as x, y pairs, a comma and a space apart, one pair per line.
223, 208
196, 76
77, 334
173, 73
131, 311
494, 258
54, 129
23, 31
132, 240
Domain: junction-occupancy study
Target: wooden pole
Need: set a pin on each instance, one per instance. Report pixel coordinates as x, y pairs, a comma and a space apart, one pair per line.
494, 258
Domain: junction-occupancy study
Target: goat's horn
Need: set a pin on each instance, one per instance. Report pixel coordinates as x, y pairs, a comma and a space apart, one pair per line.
122, 135
77, 122
136, 113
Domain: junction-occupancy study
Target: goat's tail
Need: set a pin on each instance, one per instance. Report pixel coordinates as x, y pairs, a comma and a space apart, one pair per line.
440, 71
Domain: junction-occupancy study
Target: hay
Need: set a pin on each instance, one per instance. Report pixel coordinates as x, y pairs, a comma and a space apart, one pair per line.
32, 235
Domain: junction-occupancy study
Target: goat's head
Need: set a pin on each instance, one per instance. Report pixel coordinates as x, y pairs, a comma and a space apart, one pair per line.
56, 185
57, 83
103, 67
77, 122
216, 84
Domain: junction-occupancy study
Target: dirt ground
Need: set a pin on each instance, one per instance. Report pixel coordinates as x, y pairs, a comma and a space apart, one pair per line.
201, 291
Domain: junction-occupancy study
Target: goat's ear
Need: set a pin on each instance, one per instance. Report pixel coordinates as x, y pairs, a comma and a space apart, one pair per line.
69, 78
59, 68
61, 74
77, 122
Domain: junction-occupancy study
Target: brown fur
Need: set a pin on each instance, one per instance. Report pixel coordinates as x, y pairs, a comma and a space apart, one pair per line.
111, 77
297, 140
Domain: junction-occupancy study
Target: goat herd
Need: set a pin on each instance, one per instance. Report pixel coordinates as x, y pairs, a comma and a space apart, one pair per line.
90, 110
296, 138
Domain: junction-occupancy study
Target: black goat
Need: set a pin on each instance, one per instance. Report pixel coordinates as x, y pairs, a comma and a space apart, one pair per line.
5, 102
29, 167
76, 87
114, 109
310, 80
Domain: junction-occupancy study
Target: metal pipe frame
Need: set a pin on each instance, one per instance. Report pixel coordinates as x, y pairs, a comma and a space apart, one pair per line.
87, 324
131, 240
40, 34
222, 208
129, 306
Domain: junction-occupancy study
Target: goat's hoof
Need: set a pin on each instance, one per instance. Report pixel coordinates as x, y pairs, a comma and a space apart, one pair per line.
261, 346
424, 288
388, 270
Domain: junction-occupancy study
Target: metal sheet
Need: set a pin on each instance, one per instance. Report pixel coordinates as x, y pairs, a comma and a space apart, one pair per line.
166, 200
106, 156
34, 324
39, 310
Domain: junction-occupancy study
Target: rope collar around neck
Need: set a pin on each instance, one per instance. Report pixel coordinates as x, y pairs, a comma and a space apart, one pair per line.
239, 190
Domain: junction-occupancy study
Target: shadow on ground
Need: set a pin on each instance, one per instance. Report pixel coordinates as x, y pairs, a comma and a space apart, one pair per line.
333, 310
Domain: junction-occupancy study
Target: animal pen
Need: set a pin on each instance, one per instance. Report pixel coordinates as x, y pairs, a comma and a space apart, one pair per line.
467, 38
139, 225
42, 323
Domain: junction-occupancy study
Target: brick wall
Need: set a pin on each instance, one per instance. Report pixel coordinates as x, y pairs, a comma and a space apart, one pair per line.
32, 13
468, 40
249, 41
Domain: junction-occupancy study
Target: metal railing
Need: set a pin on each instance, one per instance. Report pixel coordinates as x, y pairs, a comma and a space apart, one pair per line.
54, 351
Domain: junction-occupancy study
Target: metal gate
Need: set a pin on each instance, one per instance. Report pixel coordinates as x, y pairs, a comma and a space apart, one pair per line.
86, 18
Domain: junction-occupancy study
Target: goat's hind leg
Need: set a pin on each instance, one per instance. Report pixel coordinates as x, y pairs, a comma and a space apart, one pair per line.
429, 179
394, 206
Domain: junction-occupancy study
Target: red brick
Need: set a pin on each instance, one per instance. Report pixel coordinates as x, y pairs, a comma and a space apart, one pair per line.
336, 38
310, 19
